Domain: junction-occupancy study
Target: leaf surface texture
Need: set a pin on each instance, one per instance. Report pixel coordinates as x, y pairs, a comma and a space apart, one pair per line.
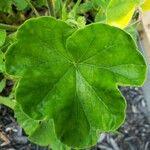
71, 76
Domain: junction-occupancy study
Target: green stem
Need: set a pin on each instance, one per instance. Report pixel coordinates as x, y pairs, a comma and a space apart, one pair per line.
67, 2
134, 23
64, 14
33, 8
7, 102
51, 10
8, 27
75, 8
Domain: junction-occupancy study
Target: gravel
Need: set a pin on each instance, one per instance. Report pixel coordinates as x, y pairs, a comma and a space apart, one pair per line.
133, 135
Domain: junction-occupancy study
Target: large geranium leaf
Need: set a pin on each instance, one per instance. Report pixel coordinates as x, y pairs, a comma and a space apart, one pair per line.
6, 5
72, 77
120, 12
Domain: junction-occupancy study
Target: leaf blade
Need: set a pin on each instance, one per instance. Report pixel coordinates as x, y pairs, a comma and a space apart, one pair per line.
119, 13
83, 87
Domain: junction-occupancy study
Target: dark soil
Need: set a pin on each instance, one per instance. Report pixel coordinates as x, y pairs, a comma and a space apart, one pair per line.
133, 135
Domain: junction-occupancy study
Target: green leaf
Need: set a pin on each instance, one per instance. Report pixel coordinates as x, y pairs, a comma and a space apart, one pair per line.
58, 5
2, 37
6, 6
40, 132
21, 4
2, 65
7, 102
101, 16
146, 5
72, 77
48, 136
93, 5
40, 3
132, 30
119, 13
2, 84
102, 13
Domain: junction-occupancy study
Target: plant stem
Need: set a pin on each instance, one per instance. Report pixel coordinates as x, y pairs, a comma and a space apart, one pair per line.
76, 7
7, 102
64, 15
33, 8
51, 10
67, 2
132, 24
8, 27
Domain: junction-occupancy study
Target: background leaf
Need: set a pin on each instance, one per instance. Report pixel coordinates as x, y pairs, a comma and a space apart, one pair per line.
120, 12
5, 6
93, 5
41, 3
21, 4
2, 37
146, 5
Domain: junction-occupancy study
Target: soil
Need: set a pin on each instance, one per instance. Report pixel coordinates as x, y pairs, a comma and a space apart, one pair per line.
133, 135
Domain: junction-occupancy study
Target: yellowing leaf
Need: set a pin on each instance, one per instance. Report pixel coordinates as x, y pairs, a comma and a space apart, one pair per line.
119, 13
146, 5
124, 21
2, 37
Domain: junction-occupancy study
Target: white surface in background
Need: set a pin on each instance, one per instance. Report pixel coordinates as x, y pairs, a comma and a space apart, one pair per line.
145, 47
